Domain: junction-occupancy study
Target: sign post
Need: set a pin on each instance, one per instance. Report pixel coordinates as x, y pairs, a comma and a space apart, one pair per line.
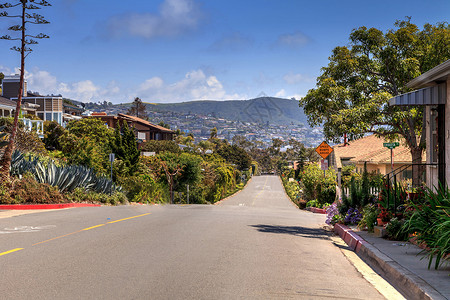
391, 146
324, 151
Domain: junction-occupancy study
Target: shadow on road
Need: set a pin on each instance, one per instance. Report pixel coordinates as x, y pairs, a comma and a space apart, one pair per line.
316, 233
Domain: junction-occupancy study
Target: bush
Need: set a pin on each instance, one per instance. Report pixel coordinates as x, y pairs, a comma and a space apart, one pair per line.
430, 222
80, 196
318, 186
394, 230
28, 190
369, 217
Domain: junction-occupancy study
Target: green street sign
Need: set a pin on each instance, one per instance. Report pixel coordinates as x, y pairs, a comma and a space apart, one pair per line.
391, 145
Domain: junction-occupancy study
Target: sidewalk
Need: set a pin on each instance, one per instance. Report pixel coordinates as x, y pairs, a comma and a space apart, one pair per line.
400, 264
7, 211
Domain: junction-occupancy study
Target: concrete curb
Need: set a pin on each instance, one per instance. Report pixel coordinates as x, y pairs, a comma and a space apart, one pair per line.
408, 283
45, 206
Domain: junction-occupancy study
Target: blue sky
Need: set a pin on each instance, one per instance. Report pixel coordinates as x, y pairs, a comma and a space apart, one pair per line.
181, 50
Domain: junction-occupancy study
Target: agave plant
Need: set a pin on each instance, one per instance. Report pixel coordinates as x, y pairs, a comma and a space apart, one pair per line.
66, 178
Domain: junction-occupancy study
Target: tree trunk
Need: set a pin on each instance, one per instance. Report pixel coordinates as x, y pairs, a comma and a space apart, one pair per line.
417, 169
5, 162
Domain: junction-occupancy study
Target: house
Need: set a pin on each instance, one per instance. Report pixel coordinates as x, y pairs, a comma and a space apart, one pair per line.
144, 130
45, 107
71, 111
371, 152
432, 90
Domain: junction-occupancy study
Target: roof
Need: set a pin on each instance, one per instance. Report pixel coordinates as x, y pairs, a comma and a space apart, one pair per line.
6, 102
371, 149
439, 73
145, 122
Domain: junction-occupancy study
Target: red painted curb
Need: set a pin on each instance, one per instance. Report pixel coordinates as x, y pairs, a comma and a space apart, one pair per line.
45, 206
316, 210
353, 240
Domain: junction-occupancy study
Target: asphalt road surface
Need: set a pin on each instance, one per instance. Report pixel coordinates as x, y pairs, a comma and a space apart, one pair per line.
255, 245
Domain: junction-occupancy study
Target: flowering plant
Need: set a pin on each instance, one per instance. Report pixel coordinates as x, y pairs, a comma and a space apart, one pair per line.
332, 211
384, 215
353, 216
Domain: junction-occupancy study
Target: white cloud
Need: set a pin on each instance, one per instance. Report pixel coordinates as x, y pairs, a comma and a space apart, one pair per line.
292, 78
294, 40
174, 17
281, 93
45, 84
194, 86
296, 96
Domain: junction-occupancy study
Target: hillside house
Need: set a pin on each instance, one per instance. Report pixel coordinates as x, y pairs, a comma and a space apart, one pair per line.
45, 107
433, 92
144, 130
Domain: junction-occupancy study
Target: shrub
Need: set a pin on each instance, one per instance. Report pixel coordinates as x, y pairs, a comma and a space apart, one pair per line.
28, 190
369, 217
430, 221
394, 230
318, 186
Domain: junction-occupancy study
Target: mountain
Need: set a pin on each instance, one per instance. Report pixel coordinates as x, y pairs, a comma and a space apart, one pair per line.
262, 110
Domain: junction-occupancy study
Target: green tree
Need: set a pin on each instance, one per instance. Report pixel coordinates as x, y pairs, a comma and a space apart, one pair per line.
25, 40
88, 142
352, 92
235, 155
180, 170
125, 147
137, 109
52, 133
213, 133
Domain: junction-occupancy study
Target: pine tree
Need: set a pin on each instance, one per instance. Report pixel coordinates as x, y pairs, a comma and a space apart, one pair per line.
25, 40
138, 109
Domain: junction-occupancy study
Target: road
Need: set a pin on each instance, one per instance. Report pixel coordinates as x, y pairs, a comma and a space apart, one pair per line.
255, 245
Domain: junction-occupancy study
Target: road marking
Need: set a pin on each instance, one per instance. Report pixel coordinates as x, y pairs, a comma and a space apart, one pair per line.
128, 218
21, 229
10, 251
55, 238
89, 228
257, 195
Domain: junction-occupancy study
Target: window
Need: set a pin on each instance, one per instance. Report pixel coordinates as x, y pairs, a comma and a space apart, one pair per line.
48, 116
141, 135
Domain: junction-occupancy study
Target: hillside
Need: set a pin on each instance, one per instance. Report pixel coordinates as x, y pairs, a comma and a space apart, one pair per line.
263, 110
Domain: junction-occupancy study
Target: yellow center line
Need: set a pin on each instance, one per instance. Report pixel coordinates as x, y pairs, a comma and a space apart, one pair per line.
89, 228
257, 195
128, 218
10, 251
55, 238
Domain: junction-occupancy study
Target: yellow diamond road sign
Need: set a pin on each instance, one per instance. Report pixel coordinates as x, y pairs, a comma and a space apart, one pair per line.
324, 150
